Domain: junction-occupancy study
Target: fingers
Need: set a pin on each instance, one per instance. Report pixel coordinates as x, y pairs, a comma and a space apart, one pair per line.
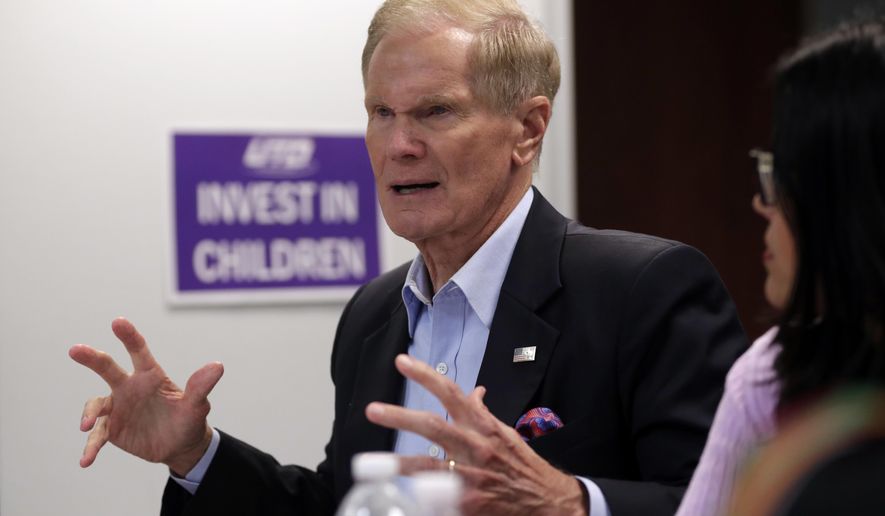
481, 419
469, 410
455, 440
445, 390
97, 438
105, 366
201, 383
471, 475
142, 360
477, 396
94, 409
415, 464
480, 478
100, 362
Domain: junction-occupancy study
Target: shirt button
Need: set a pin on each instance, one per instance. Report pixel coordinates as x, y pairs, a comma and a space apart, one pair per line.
442, 368
433, 451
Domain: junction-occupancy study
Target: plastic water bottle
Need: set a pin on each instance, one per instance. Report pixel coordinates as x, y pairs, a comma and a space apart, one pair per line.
375, 493
438, 493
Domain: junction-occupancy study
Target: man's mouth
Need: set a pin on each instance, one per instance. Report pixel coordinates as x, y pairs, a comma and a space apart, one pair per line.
417, 187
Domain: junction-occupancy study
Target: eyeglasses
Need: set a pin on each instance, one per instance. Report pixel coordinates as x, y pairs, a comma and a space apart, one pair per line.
765, 168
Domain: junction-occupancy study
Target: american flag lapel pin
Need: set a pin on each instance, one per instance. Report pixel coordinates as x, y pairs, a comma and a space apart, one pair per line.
526, 354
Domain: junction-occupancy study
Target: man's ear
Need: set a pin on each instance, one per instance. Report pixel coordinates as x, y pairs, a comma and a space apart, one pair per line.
534, 115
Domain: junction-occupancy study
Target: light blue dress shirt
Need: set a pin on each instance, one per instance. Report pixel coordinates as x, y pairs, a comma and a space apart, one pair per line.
449, 331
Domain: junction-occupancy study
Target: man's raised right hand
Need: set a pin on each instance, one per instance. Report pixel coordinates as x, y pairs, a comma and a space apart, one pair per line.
146, 414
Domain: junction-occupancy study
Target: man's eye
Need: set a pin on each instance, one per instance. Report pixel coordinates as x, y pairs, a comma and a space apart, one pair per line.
383, 111
437, 110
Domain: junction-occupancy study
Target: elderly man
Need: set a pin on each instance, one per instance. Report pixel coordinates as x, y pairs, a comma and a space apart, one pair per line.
607, 349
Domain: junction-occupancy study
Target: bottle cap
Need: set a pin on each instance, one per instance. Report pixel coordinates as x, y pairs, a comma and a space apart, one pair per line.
374, 465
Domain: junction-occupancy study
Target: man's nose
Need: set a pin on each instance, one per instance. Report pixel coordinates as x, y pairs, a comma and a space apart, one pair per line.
405, 142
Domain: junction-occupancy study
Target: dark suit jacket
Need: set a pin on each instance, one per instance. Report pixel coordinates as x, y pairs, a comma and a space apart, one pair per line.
634, 335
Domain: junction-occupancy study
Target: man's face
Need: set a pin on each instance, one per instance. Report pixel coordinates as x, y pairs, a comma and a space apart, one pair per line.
442, 160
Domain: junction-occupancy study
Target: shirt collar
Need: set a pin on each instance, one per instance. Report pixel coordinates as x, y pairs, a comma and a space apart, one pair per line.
480, 279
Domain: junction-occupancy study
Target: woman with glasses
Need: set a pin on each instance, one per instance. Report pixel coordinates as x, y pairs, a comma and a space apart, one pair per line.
823, 196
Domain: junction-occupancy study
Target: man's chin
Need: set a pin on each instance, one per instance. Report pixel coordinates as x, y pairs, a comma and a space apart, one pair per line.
414, 233
414, 236
411, 224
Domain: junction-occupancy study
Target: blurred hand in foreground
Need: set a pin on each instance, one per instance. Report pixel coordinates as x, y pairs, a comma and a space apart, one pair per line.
502, 474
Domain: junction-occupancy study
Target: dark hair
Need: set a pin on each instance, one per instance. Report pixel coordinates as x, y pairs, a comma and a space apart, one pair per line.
829, 148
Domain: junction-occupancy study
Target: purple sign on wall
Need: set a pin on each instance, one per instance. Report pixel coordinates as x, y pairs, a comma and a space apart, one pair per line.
265, 217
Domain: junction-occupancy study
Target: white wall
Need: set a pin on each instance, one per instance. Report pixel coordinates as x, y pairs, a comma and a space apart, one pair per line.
89, 91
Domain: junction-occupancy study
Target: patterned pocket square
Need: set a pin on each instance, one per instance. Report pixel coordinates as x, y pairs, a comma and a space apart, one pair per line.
537, 422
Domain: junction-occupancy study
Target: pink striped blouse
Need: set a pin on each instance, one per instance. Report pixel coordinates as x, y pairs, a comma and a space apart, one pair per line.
744, 420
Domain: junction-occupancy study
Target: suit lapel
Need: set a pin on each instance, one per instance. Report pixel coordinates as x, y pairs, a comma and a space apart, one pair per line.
532, 278
378, 380
510, 386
